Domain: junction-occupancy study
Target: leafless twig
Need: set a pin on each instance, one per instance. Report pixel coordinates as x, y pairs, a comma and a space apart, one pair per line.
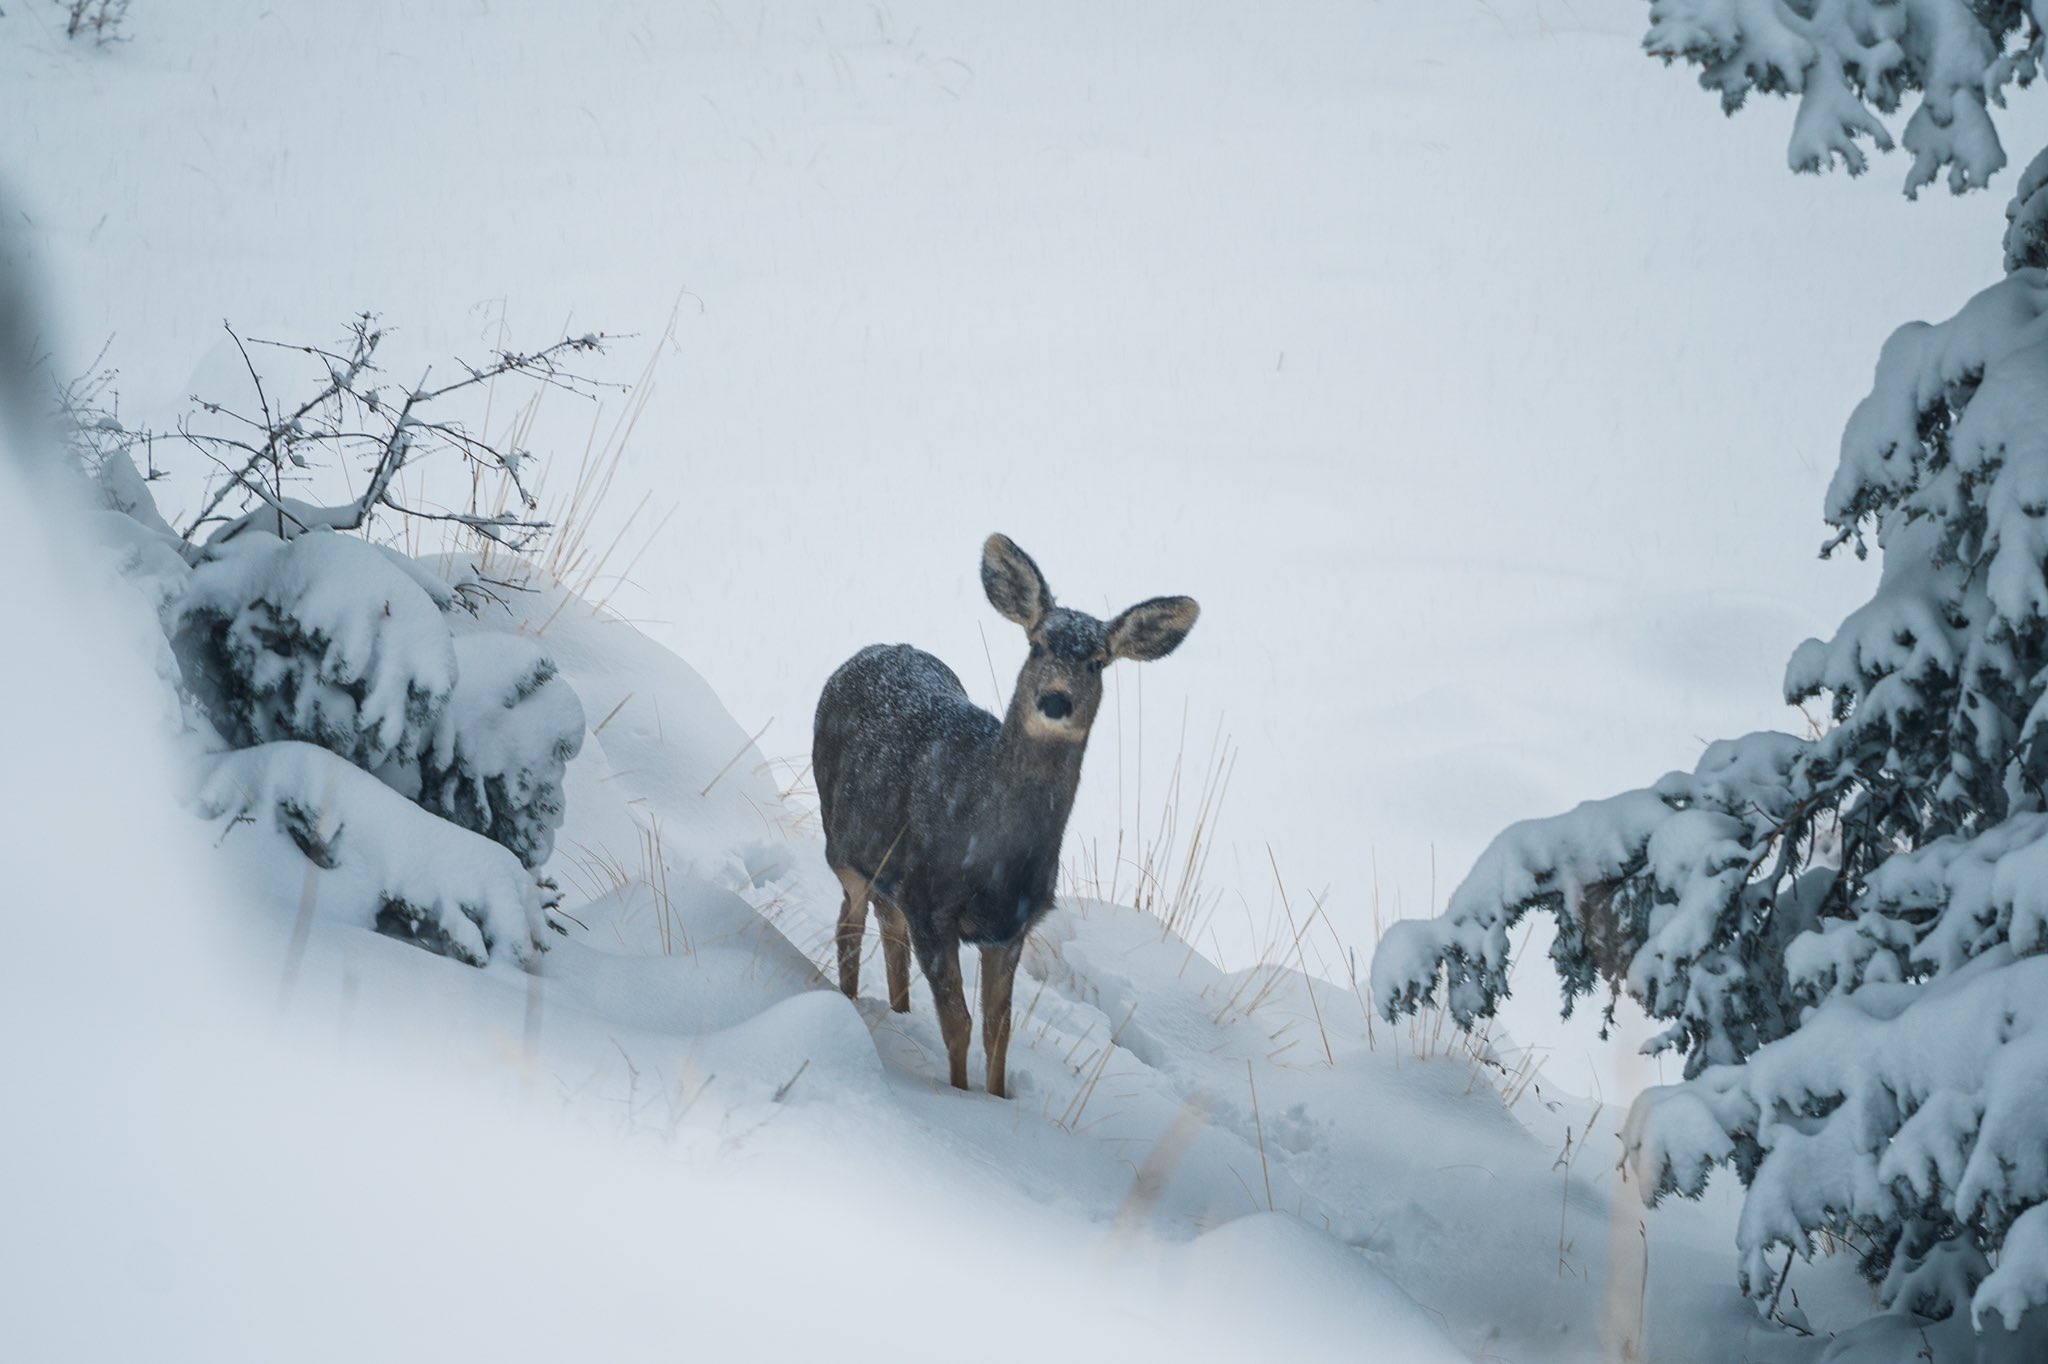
350, 420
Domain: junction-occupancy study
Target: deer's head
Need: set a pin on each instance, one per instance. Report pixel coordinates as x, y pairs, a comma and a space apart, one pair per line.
1060, 688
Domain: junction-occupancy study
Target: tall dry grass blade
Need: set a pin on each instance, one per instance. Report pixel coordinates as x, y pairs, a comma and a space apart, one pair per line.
1079, 1105
735, 758
598, 728
1259, 1127
1308, 981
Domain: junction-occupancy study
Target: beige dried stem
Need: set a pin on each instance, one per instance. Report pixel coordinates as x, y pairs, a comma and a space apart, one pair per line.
1308, 980
573, 558
1259, 1127
1171, 865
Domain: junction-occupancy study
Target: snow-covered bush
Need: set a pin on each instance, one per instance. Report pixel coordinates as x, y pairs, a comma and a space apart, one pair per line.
95, 17
498, 754
100, 19
1851, 61
338, 642
378, 860
412, 756
1847, 934
321, 638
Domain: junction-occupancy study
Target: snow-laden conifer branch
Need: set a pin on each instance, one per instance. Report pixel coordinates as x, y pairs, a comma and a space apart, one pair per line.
1846, 932
1850, 63
100, 20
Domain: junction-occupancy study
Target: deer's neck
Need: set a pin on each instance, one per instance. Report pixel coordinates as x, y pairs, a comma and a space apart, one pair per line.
1035, 777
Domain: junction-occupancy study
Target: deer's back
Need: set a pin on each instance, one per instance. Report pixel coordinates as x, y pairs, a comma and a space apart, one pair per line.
898, 753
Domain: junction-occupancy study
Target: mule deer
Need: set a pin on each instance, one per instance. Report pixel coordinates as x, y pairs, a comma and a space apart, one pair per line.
949, 820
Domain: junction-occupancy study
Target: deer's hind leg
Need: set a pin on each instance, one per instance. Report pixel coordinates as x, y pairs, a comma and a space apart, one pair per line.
853, 922
895, 930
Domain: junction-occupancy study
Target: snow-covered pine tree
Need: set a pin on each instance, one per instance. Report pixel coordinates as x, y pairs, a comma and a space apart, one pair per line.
500, 750
324, 638
1851, 61
374, 740
1846, 935
396, 755
338, 642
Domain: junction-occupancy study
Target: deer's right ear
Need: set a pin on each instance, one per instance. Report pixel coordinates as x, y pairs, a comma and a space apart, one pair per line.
1014, 585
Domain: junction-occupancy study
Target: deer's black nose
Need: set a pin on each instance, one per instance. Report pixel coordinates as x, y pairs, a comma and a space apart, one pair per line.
1055, 705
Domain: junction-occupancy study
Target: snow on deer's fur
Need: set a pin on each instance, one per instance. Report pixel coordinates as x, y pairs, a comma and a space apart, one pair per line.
949, 820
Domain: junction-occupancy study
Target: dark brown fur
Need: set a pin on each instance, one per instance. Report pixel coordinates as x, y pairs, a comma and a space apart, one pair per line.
949, 820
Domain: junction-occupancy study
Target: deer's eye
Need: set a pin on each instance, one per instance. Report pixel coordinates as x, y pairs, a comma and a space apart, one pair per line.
1037, 649
1094, 665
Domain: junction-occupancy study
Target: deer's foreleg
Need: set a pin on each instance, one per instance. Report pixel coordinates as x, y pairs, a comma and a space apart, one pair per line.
939, 958
998, 974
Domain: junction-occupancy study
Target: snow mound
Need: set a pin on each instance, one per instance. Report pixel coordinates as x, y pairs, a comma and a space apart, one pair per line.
320, 638
372, 858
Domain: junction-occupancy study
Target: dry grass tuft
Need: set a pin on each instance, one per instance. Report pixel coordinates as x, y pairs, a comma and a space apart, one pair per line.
1164, 873
1160, 865
577, 554
597, 872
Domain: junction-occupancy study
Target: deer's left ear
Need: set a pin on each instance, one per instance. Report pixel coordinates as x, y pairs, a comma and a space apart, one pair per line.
1152, 629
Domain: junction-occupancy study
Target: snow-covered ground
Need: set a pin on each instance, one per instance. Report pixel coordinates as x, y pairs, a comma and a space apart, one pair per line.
675, 1137
1480, 381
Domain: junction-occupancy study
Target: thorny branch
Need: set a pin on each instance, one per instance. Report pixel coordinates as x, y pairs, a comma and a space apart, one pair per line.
348, 420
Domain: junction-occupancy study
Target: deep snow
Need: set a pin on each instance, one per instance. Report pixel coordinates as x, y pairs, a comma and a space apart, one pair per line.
638, 1151
1478, 378
676, 1136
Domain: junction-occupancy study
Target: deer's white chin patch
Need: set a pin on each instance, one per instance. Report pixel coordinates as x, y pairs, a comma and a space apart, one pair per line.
1039, 726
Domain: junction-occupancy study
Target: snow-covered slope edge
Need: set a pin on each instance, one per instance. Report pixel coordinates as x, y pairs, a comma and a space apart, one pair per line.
188, 1179
672, 1134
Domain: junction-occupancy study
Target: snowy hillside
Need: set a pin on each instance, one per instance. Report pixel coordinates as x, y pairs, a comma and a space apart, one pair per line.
1428, 344
674, 1134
